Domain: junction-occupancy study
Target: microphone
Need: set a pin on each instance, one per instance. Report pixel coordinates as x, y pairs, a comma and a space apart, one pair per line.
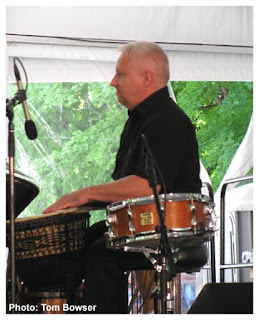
30, 127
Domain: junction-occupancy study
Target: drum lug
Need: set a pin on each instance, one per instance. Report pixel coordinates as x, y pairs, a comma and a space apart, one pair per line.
130, 213
162, 206
131, 224
110, 219
192, 206
111, 232
210, 213
131, 227
194, 224
211, 225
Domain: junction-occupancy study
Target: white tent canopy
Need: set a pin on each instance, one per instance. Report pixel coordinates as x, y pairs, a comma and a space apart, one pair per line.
59, 44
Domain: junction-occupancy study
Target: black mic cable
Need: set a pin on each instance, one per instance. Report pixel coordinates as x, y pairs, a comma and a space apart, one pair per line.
153, 166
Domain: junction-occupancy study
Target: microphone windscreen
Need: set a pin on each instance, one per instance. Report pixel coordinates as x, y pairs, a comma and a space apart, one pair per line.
31, 130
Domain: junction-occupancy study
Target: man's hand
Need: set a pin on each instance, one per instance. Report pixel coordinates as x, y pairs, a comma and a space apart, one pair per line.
70, 200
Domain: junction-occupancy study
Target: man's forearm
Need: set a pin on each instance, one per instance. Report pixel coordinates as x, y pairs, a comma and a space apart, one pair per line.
126, 188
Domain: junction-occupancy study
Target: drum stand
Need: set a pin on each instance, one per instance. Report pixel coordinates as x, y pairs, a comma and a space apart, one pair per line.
160, 294
165, 268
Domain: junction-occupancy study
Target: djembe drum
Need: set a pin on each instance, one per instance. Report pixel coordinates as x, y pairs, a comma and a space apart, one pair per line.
48, 251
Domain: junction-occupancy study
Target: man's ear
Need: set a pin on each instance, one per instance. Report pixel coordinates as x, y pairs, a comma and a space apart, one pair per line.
147, 78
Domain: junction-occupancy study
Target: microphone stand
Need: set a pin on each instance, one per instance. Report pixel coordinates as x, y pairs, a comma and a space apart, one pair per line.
31, 132
11, 155
166, 269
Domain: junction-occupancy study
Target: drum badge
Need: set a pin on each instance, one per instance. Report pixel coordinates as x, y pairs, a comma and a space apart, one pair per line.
146, 218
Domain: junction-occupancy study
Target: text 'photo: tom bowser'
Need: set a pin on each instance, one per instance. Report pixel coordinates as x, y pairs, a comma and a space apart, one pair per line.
50, 308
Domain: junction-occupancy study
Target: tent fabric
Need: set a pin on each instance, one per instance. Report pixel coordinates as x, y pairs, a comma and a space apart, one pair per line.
61, 63
211, 25
243, 159
240, 165
244, 194
79, 43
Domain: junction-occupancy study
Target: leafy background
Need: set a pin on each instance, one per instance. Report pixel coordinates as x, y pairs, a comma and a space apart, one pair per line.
79, 126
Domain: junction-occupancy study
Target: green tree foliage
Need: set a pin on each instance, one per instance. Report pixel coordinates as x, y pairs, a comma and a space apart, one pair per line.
79, 126
221, 112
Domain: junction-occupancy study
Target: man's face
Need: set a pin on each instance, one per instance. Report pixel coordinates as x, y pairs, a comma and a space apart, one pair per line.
128, 81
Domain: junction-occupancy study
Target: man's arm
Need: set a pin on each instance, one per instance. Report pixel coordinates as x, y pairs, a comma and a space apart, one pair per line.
126, 188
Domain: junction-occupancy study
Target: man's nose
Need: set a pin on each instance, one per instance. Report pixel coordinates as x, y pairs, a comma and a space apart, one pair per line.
114, 81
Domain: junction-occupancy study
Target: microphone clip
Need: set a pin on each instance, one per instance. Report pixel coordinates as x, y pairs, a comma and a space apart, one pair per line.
21, 95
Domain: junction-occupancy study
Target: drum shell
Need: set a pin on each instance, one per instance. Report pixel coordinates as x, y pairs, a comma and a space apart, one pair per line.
51, 273
48, 249
179, 216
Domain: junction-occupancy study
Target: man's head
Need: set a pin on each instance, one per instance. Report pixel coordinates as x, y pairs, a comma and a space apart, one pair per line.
142, 69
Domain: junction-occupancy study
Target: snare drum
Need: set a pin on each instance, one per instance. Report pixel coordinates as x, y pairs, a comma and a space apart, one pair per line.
48, 248
133, 223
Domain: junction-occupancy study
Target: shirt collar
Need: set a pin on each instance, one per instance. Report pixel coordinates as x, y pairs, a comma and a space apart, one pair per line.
150, 103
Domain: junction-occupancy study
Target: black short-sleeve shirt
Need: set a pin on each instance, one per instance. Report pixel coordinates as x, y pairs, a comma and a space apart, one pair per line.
171, 138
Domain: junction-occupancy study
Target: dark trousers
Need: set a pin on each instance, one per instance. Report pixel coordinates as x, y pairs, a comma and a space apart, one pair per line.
105, 280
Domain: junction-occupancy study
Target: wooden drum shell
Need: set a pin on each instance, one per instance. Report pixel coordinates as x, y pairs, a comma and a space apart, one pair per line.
131, 221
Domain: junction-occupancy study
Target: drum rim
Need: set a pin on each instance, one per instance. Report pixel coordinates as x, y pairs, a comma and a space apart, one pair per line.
67, 211
134, 242
149, 199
